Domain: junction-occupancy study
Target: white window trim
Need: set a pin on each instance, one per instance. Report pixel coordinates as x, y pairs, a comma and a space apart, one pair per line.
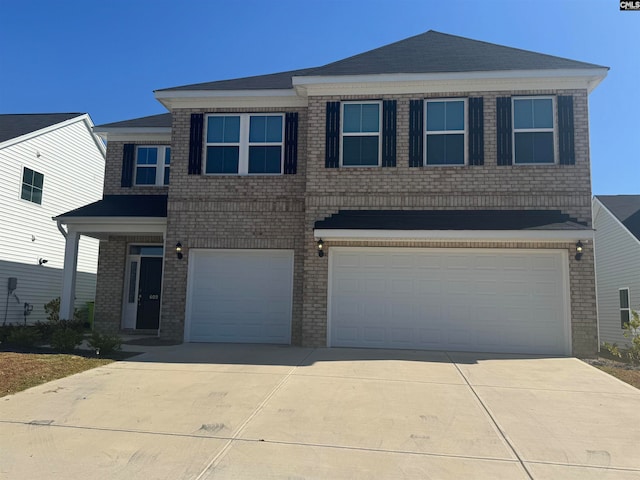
361, 134
628, 309
243, 144
444, 132
553, 130
22, 183
160, 166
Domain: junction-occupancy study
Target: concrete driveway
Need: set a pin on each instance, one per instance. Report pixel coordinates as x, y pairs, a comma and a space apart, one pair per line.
199, 411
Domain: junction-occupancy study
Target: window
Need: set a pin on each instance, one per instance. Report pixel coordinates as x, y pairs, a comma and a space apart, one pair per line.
446, 132
533, 130
625, 309
361, 125
244, 144
152, 165
32, 183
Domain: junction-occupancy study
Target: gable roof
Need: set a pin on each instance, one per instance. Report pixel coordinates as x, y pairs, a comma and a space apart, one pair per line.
161, 120
18, 124
429, 52
625, 208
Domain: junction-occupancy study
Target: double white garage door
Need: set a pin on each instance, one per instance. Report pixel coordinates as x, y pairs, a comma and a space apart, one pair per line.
497, 300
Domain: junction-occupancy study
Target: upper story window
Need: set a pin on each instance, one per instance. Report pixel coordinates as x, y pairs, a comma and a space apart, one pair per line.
245, 144
533, 130
32, 184
446, 132
152, 165
361, 139
625, 306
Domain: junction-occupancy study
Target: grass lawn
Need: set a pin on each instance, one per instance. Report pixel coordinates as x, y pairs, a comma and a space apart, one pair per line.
19, 371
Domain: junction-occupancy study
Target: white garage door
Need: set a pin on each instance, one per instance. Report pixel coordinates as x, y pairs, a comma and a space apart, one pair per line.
241, 296
472, 300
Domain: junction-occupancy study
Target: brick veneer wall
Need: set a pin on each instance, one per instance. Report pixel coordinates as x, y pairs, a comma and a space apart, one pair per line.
232, 212
564, 187
110, 280
113, 171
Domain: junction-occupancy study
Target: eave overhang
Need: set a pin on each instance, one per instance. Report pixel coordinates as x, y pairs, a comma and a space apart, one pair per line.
534, 235
173, 99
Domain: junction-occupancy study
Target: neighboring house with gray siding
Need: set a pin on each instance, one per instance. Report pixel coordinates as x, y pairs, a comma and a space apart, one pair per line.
616, 220
430, 194
50, 163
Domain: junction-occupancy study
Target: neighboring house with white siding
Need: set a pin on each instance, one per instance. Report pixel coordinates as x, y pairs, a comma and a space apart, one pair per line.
616, 220
50, 163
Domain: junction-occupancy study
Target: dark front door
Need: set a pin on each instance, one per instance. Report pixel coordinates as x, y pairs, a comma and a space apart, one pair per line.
149, 293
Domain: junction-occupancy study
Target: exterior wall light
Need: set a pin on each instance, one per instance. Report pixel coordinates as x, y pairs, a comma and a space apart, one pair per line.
579, 250
42, 261
179, 250
320, 248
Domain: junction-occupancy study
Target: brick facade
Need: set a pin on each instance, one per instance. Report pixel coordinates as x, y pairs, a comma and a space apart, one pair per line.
279, 212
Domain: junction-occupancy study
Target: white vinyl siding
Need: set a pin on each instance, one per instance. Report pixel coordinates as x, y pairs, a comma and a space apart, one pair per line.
73, 168
491, 300
617, 259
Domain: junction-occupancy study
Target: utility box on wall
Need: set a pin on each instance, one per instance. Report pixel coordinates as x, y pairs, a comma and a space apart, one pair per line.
13, 284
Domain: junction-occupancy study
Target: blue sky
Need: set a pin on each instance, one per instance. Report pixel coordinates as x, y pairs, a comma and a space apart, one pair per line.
106, 58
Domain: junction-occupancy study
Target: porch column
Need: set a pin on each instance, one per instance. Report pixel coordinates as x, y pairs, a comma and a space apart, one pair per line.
67, 300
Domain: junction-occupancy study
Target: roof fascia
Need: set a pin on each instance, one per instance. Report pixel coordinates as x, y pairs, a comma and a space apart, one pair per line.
42, 131
599, 206
135, 133
453, 81
230, 98
328, 234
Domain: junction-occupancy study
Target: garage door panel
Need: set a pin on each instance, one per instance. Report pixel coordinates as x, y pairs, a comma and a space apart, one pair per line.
240, 296
480, 300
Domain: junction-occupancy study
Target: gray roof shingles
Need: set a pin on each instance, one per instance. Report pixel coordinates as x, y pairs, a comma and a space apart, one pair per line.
162, 120
13, 125
451, 220
625, 208
123, 206
429, 52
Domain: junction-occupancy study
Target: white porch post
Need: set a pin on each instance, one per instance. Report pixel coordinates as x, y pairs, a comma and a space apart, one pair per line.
67, 299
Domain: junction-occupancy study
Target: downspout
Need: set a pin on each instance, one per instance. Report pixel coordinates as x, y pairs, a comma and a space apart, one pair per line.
62, 230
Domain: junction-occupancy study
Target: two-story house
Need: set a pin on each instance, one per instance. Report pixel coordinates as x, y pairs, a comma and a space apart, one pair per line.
51, 162
433, 193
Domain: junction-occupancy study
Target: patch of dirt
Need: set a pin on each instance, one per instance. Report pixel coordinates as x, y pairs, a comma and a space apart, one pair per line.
19, 371
623, 371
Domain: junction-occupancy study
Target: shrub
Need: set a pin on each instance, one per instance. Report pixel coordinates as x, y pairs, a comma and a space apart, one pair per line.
105, 344
65, 339
632, 332
24, 336
52, 310
5, 331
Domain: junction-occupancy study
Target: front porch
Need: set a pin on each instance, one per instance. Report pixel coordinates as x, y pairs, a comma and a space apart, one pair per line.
132, 234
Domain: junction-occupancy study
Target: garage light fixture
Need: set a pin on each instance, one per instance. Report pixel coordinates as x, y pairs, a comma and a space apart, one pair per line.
578, 250
320, 248
179, 250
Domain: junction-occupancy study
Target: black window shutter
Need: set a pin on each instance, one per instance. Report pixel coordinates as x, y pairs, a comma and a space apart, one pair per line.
476, 131
566, 145
291, 143
332, 147
503, 127
416, 133
128, 158
389, 133
195, 144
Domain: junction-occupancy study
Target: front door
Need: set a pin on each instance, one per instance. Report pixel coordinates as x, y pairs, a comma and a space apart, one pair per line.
149, 288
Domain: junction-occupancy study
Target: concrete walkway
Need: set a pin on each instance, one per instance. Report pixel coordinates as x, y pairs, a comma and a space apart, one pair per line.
199, 411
